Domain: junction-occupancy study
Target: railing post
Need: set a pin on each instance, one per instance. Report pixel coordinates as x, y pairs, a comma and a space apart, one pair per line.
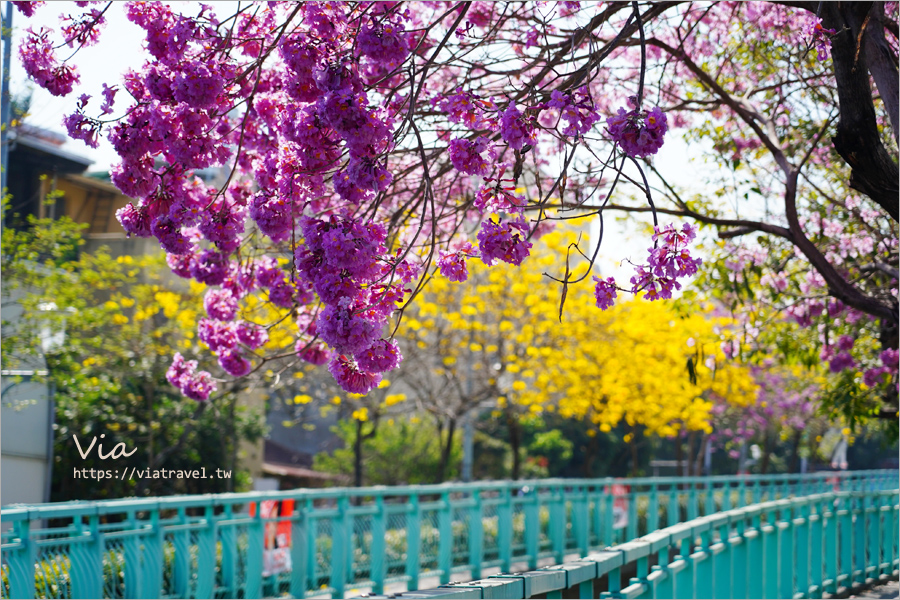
581, 523
558, 524
609, 532
533, 527
299, 548
666, 587
152, 580
684, 579
704, 571
739, 557
817, 547
413, 540
181, 562
831, 545
801, 531
874, 533
131, 547
228, 535
445, 538
845, 517
476, 534
206, 556
859, 559
771, 556
377, 560
87, 561
710, 497
253, 562
895, 533
887, 532
673, 506
597, 515
693, 508
312, 545
614, 581
653, 509
787, 563
755, 563
21, 563
504, 529
632, 527
338, 577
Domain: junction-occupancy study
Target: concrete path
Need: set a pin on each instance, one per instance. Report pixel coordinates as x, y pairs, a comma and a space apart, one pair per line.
890, 589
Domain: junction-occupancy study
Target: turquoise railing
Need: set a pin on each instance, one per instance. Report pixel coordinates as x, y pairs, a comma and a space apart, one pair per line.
365, 538
792, 548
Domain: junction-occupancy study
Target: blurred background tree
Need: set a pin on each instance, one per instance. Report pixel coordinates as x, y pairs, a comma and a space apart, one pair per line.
117, 322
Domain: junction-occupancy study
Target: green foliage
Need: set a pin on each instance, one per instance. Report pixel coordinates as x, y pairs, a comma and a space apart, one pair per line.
121, 320
402, 451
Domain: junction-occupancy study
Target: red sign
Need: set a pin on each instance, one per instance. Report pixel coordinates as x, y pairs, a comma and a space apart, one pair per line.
620, 504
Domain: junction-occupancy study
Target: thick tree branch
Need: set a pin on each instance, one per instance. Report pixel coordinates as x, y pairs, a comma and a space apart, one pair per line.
838, 287
883, 66
873, 171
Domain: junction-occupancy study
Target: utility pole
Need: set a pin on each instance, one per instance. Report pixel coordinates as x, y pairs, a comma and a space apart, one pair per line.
5, 102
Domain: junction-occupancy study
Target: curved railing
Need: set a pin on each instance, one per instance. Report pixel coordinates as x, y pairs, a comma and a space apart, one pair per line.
792, 548
221, 545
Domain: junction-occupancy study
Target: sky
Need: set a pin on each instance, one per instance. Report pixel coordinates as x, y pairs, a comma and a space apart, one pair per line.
120, 49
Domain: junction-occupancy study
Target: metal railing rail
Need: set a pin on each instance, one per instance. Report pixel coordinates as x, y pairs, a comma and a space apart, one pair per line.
792, 548
209, 546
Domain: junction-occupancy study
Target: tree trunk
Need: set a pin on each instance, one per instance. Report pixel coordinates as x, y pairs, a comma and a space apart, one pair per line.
701, 451
794, 463
634, 451
589, 455
766, 454
515, 443
882, 67
446, 451
873, 171
357, 455
690, 453
679, 457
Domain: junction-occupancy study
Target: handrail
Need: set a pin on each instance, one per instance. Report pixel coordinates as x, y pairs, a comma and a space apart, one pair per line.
214, 545
793, 548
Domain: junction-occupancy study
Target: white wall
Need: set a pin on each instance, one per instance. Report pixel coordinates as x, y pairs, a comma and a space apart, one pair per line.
24, 442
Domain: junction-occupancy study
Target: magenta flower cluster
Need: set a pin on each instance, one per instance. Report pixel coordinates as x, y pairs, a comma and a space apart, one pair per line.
670, 259
344, 260
576, 109
516, 128
505, 241
469, 156
39, 60
820, 37
183, 374
304, 120
453, 264
639, 134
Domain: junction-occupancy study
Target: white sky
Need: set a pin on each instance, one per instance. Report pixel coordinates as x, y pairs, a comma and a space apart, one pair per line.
120, 49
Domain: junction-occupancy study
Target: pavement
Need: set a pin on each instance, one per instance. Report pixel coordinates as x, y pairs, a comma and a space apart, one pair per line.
890, 589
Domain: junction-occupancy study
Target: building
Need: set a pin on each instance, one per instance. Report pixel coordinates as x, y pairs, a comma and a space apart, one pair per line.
39, 165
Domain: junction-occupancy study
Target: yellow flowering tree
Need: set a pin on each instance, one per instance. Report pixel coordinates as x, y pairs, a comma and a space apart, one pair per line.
645, 364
